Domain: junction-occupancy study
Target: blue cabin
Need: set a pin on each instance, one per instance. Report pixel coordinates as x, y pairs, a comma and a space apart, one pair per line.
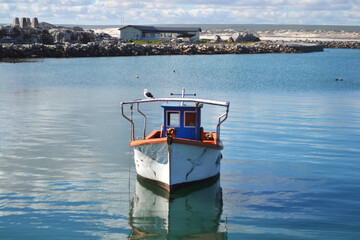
185, 118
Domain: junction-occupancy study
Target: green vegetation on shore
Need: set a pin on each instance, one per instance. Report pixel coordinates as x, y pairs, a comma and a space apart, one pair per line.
201, 41
149, 42
208, 41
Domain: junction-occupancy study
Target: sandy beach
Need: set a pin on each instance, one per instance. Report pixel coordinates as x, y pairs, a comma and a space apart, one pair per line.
289, 35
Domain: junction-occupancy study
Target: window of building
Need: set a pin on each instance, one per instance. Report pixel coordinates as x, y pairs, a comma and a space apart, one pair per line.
173, 119
190, 119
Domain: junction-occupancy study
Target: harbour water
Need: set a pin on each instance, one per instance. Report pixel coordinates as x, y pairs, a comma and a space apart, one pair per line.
290, 167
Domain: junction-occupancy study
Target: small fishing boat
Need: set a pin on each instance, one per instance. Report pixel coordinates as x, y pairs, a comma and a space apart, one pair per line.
181, 153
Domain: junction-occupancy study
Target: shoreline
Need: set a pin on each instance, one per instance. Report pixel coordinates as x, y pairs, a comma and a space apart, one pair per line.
105, 42
108, 48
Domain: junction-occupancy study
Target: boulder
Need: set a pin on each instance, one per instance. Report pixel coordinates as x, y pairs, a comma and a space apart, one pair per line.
63, 35
230, 39
46, 26
245, 37
60, 35
216, 39
176, 40
76, 28
103, 35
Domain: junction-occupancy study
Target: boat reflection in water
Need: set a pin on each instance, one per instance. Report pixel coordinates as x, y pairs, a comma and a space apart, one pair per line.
191, 213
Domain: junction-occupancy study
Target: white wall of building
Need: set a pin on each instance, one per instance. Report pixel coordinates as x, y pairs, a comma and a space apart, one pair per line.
130, 33
196, 37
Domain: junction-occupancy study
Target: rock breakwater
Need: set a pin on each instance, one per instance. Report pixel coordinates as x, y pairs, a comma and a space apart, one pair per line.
114, 48
339, 44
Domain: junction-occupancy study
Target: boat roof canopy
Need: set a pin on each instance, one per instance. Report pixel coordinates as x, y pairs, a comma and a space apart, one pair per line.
177, 99
183, 105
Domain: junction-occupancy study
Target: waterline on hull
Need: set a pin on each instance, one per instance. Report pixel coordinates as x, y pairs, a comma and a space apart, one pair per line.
181, 187
174, 165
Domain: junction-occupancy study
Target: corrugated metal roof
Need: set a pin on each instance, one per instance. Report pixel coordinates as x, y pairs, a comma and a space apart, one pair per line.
164, 29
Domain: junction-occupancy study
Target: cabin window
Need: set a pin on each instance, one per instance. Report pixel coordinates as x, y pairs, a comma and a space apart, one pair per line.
173, 119
190, 119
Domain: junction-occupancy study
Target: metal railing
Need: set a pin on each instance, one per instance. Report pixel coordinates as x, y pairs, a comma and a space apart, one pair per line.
197, 101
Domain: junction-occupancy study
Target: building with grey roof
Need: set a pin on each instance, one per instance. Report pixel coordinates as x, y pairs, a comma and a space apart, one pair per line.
139, 32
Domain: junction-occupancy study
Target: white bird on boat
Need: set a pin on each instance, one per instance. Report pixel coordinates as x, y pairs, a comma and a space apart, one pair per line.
148, 94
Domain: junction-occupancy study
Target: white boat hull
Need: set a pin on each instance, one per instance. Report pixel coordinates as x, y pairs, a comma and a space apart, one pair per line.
172, 165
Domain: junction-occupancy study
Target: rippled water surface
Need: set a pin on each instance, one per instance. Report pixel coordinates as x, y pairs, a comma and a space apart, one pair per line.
291, 158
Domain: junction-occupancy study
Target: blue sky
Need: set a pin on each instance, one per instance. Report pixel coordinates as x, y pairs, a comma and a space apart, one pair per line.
116, 12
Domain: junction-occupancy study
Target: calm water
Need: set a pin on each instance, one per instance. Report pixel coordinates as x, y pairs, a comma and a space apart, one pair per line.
291, 158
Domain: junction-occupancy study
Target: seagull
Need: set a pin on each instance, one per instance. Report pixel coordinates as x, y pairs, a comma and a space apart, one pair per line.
148, 94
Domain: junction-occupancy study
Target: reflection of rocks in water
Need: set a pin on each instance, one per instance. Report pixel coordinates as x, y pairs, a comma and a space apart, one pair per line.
190, 214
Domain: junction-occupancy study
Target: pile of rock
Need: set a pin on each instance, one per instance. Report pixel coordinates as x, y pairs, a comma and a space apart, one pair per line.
114, 48
339, 44
244, 37
71, 35
238, 37
28, 32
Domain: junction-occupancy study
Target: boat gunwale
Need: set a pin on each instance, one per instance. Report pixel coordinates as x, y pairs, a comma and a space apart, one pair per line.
191, 142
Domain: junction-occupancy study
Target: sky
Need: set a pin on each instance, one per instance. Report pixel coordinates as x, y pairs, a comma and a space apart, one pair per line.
119, 12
